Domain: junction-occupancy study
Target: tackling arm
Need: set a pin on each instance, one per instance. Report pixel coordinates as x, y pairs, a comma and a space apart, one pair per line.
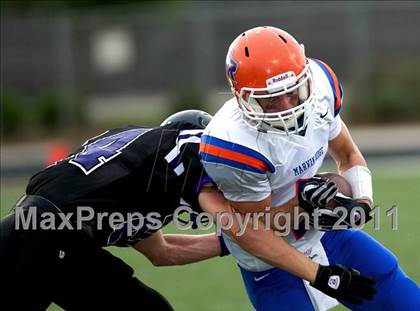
178, 249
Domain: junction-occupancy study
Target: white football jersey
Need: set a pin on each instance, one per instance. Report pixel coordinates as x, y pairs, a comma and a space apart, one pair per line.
249, 165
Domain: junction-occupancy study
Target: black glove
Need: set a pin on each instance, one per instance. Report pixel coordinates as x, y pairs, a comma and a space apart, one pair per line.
344, 283
315, 192
359, 211
325, 219
329, 219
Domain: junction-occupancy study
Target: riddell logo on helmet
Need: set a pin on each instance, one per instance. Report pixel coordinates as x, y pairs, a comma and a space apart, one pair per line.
280, 79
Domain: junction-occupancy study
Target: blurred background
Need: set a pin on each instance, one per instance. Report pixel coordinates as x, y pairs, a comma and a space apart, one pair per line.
72, 69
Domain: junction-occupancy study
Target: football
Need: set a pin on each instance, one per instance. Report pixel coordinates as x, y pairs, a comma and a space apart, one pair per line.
342, 184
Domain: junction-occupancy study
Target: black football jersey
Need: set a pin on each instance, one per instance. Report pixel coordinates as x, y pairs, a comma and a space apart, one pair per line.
129, 171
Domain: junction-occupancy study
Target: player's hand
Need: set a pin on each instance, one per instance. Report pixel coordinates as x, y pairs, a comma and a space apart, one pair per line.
347, 214
315, 192
344, 283
326, 219
357, 212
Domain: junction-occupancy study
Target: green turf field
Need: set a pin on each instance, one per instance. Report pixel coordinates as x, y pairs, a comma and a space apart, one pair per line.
216, 284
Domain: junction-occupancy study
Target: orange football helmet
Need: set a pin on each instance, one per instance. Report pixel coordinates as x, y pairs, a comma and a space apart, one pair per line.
265, 62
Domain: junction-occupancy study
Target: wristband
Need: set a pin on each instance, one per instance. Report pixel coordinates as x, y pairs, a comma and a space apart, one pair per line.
360, 180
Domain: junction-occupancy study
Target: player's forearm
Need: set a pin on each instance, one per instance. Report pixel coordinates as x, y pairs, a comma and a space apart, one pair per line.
183, 249
345, 152
261, 242
350, 159
178, 249
286, 210
275, 251
352, 165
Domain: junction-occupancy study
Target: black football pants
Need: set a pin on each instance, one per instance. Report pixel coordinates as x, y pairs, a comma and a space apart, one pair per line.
43, 266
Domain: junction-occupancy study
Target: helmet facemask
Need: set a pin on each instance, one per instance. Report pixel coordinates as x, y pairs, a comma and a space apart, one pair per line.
286, 122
